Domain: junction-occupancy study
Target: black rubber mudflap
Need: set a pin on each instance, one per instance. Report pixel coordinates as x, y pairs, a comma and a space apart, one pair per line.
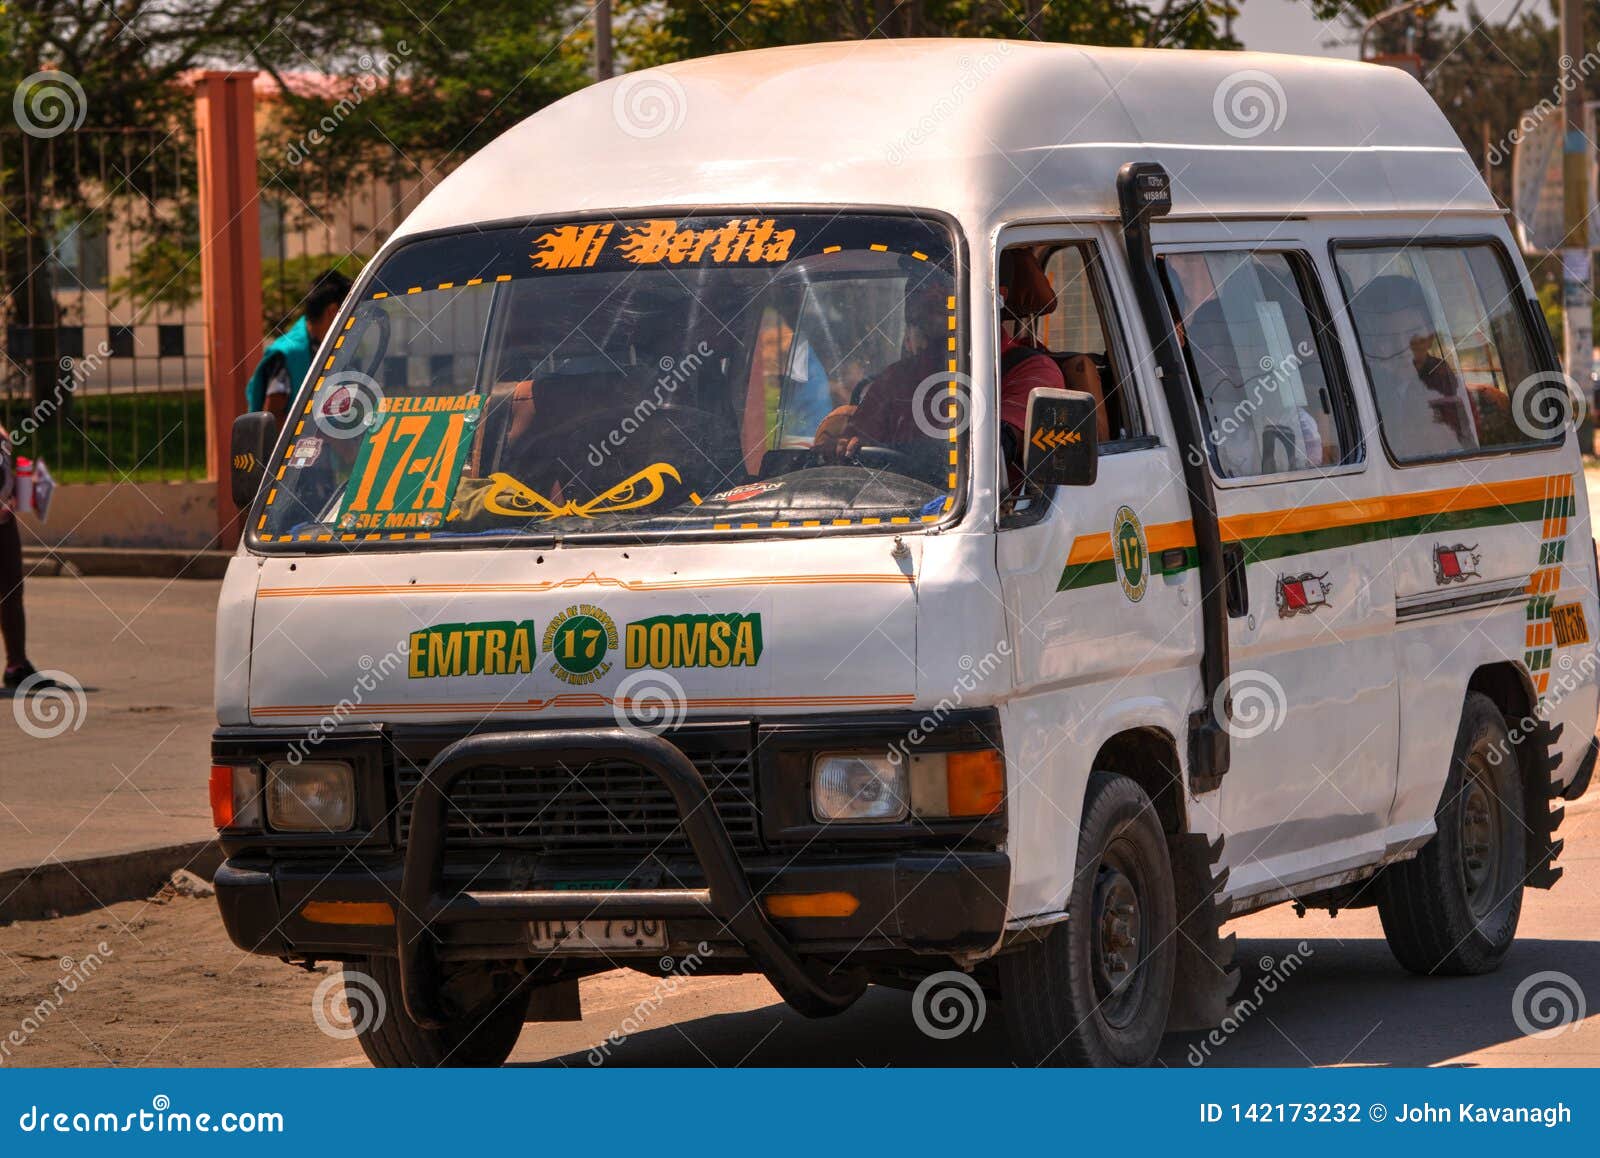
1203, 986
1540, 758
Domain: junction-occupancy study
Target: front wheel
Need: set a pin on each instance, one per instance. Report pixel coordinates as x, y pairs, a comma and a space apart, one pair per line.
483, 1037
1453, 908
1097, 989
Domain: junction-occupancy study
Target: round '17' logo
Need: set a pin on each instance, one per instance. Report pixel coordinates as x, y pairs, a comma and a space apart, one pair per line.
1130, 553
578, 640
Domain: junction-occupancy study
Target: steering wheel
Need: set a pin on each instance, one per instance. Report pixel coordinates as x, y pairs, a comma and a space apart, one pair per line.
883, 458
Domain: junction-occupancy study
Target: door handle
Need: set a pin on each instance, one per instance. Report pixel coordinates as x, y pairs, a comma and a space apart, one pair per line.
1238, 588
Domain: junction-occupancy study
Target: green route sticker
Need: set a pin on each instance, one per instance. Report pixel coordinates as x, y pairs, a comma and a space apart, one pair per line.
410, 460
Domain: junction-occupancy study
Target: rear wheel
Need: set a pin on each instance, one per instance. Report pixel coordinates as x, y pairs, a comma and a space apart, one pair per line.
1453, 909
483, 1036
1097, 989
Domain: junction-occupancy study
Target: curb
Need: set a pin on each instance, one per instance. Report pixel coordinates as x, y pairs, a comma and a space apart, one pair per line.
136, 562
61, 888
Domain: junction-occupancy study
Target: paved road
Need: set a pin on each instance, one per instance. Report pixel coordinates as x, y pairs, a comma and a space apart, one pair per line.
169, 990
174, 992
128, 769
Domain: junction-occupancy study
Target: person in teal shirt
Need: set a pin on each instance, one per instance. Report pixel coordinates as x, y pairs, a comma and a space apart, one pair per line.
288, 358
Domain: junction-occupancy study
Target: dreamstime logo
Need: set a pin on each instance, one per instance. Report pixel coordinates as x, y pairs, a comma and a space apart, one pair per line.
49, 103
674, 974
1548, 1004
1259, 703
352, 402
674, 373
374, 74
48, 703
948, 1004
975, 673
940, 405
1543, 404
1248, 103
1273, 974
649, 701
347, 1004
647, 104
74, 972
970, 74
374, 673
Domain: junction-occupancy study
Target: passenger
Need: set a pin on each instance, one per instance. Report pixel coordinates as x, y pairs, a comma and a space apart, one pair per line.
1418, 392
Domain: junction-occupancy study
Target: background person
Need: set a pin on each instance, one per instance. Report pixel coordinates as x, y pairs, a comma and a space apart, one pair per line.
288, 359
13, 622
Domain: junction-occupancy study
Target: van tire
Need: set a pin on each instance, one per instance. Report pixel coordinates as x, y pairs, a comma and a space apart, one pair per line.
391, 1040
1061, 1002
1452, 909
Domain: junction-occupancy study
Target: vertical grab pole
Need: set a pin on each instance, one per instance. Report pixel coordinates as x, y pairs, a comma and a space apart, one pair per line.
1144, 193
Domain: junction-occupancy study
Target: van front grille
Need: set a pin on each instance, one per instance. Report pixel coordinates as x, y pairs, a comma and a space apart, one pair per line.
598, 807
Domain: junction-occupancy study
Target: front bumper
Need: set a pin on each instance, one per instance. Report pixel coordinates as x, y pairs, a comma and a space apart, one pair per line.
939, 902
445, 907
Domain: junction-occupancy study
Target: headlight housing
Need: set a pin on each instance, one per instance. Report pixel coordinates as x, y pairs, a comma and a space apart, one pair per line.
314, 796
859, 786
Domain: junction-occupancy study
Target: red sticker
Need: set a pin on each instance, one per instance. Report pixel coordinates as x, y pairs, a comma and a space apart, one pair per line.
748, 491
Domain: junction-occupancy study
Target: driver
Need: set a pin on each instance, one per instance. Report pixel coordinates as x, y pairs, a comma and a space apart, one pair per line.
884, 410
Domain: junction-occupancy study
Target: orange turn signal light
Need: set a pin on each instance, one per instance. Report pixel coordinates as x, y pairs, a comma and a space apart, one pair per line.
222, 795
348, 912
812, 905
976, 782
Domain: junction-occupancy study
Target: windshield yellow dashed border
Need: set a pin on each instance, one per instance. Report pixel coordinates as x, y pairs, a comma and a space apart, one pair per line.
953, 394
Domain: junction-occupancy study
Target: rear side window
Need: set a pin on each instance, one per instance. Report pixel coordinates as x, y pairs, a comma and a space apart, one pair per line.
1447, 348
1252, 341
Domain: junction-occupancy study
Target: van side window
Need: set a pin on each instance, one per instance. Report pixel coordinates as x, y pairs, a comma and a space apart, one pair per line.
1252, 342
1078, 334
1445, 345
1056, 309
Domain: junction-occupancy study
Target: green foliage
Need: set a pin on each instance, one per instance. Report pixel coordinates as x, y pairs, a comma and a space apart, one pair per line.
284, 284
127, 437
164, 268
701, 27
412, 100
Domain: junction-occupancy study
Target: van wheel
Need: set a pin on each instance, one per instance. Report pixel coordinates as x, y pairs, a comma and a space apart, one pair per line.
391, 1040
1453, 908
1097, 989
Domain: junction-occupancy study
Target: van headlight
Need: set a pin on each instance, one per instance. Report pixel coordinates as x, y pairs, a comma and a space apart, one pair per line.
315, 796
858, 786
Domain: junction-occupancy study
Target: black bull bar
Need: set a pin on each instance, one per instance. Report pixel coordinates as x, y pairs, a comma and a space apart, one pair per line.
727, 899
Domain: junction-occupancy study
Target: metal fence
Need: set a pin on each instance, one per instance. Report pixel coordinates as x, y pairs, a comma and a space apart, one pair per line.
104, 367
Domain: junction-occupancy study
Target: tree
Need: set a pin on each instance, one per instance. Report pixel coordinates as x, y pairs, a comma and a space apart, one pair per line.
83, 75
410, 97
696, 28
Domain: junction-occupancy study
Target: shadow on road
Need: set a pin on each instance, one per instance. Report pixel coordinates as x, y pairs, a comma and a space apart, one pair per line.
1342, 1003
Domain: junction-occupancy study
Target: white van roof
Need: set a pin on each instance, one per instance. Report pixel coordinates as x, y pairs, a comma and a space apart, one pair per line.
988, 130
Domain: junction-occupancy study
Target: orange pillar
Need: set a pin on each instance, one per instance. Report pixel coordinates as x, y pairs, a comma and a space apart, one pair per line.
230, 265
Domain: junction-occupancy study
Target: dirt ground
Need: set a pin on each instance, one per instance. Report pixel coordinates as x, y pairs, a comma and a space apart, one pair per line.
156, 983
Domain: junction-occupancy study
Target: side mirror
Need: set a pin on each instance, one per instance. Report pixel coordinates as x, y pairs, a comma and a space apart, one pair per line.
1062, 448
254, 436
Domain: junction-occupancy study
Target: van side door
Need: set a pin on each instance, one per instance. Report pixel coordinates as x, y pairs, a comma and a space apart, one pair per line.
1315, 701
1102, 639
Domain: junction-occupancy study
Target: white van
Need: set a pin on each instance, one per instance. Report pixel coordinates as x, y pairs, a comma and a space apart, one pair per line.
862, 512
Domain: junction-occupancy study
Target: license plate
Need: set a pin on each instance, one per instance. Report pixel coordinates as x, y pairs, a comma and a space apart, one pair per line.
1570, 624
597, 936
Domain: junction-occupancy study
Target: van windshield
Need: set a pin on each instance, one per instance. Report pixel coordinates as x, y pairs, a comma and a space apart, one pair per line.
635, 377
